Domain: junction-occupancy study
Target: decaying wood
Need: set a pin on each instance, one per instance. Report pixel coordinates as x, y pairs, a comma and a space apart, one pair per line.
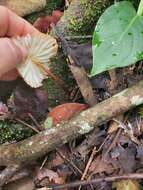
40, 144
24, 7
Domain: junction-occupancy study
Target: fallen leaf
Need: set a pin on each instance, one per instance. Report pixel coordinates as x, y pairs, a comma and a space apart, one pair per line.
126, 185
43, 23
99, 166
58, 160
124, 158
52, 176
48, 123
65, 111
25, 100
82, 56
113, 127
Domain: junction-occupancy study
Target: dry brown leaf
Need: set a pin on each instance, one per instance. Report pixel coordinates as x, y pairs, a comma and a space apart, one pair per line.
58, 160
113, 127
65, 111
52, 176
43, 23
99, 166
24, 7
126, 185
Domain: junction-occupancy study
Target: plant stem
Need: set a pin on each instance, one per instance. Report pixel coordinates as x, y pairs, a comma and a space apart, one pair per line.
140, 8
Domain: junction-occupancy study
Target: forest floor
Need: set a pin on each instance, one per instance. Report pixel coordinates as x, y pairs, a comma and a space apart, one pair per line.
42, 142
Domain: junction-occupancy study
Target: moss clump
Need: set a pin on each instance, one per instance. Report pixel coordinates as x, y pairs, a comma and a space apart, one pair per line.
90, 11
50, 6
10, 131
56, 94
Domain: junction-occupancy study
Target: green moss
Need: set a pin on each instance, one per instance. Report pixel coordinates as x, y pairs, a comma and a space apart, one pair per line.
91, 12
56, 94
10, 131
50, 6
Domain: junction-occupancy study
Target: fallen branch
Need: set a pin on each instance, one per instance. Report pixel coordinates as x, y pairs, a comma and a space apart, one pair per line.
40, 144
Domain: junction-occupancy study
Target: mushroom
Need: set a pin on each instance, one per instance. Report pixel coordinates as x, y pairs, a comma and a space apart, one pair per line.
35, 68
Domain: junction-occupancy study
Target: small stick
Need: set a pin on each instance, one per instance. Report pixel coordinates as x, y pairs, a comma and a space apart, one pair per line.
98, 180
43, 163
88, 164
113, 143
70, 163
34, 120
27, 125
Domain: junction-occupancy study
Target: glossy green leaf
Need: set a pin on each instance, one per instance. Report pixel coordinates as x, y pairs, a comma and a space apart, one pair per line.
118, 38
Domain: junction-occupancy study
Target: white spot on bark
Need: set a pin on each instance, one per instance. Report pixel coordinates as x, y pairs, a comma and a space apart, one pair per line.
137, 100
30, 143
50, 131
85, 127
43, 142
84, 113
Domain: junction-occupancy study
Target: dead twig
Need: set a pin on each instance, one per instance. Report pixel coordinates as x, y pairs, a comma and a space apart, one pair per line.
98, 180
27, 125
113, 143
34, 121
88, 164
70, 163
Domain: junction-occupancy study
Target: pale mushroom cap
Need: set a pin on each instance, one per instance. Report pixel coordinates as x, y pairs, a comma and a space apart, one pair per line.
40, 49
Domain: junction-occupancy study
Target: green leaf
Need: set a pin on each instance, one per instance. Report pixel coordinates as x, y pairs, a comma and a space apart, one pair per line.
118, 38
48, 123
